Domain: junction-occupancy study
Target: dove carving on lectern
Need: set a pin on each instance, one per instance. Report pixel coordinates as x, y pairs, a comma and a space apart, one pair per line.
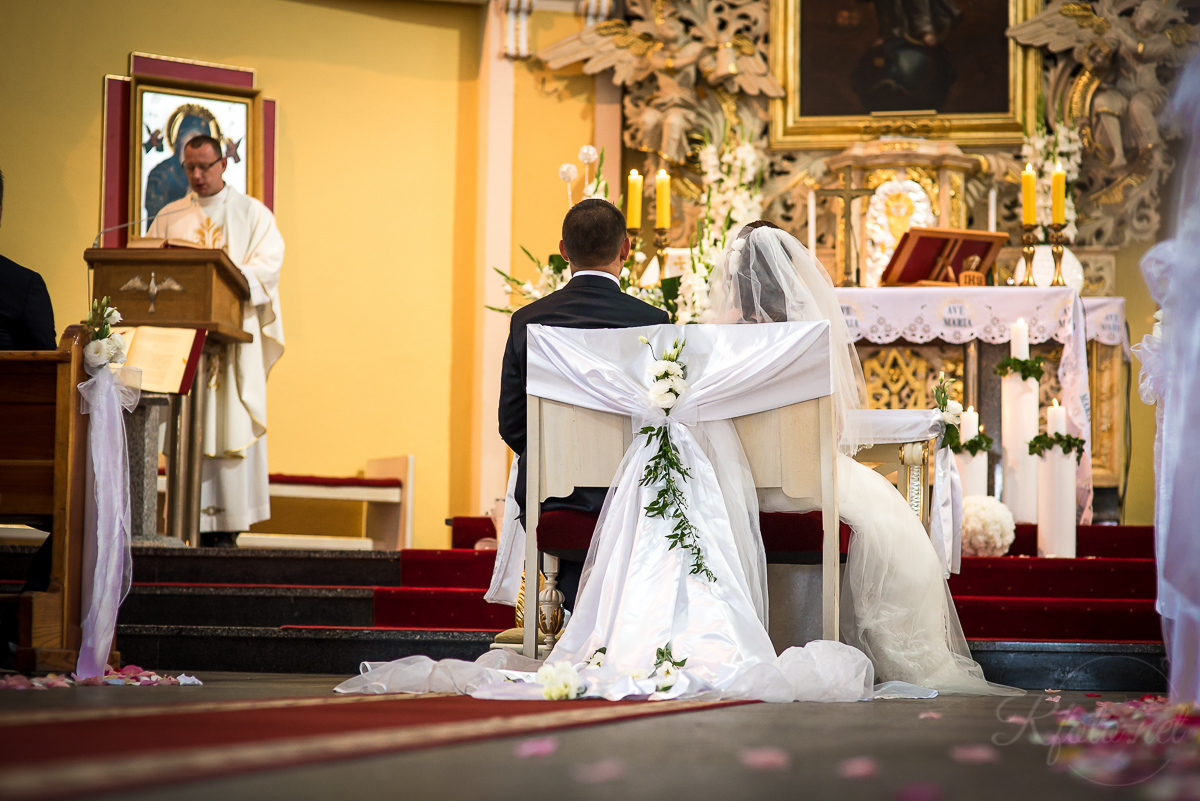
136, 284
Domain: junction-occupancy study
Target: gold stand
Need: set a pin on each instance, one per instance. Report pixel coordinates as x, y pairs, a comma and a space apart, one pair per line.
660, 250
1028, 239
635, 244
1057, 240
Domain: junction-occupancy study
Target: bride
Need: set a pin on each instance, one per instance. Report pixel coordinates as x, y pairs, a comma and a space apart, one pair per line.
643, 625
896, 604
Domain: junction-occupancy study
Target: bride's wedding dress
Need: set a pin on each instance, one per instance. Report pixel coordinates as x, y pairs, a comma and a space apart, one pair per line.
896, 604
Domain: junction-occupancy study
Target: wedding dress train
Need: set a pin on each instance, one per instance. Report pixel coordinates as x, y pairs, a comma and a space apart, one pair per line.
896, 603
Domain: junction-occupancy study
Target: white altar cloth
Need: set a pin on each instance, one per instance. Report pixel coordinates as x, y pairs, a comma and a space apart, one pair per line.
1104, 318
956, 315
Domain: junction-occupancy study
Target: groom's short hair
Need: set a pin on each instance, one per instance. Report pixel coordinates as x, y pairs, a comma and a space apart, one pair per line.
592, 233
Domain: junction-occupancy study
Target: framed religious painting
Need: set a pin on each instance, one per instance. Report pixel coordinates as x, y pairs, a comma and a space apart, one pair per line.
856, 70
166, 115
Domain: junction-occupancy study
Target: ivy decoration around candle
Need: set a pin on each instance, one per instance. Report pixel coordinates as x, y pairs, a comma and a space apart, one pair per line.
1068, 442
1028, 368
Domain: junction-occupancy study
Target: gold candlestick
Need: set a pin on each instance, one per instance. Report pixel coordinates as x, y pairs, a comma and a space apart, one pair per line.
660, 250
1028, 239
1057, 240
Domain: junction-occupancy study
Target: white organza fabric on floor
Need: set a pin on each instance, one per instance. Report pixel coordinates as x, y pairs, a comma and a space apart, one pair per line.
896, 604
637, 595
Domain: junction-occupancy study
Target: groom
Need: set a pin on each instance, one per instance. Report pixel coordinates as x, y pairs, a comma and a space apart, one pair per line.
595, 244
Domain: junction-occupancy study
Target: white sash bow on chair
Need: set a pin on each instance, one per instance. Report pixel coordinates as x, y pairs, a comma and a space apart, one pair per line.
732, 371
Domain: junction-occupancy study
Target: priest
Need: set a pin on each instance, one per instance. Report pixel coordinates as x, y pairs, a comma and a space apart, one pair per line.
234, 493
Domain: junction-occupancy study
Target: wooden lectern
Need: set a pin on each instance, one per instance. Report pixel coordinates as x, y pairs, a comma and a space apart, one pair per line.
177, 288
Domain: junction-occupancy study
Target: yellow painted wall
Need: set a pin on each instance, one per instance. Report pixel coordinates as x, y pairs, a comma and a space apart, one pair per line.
1139, 311
554, 116
376, 197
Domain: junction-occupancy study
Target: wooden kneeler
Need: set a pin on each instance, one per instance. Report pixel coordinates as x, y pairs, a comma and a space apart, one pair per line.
790, 448
42, 482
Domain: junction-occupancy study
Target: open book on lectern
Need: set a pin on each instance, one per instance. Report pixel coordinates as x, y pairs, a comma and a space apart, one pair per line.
167, 357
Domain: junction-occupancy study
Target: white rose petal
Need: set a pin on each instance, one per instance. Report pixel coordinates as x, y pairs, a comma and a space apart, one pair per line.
120, 347
679, 385
954, 407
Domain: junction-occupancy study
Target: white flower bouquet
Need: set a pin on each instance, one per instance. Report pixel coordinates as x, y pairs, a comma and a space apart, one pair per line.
988, 527
560, 681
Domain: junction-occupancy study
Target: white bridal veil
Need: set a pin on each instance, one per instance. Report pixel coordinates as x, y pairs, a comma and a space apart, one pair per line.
788, 284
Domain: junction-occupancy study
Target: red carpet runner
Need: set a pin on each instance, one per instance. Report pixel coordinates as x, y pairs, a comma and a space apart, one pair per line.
67, 753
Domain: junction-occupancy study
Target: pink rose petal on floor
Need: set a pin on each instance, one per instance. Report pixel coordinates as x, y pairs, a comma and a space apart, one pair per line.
542, 746
130, 670
930, 716
1018, 719
919, 791
1054, 699
974, 754
606, 770
766, 757
857, 767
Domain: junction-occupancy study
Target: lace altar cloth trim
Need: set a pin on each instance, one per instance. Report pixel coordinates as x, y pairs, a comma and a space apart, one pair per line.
960, 314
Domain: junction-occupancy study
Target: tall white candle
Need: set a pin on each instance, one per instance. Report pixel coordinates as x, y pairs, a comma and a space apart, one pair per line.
1056, 502
972, 470
812, 221
1056, 419
992, 209
1018, 334
1018, 425
969, 427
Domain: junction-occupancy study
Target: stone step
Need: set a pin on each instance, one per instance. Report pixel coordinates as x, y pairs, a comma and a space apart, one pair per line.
288, 650
1088, 666
247, 605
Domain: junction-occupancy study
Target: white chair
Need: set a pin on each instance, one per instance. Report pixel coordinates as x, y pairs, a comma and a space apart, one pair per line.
789, 448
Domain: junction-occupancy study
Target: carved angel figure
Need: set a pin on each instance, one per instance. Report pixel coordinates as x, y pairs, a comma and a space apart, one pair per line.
1120, 56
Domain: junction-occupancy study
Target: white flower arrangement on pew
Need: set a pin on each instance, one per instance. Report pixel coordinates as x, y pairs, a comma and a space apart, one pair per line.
106, 346
665, 469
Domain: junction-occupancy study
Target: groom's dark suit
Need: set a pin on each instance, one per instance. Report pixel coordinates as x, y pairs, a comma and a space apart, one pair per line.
587, 301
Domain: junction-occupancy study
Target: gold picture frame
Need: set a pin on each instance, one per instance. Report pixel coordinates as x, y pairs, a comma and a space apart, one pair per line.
790, 130
149, 136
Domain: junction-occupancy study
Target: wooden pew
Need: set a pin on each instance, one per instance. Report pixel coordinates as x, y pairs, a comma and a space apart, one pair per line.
43, 446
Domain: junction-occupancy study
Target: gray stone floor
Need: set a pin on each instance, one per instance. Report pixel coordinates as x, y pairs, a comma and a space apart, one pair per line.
694, 756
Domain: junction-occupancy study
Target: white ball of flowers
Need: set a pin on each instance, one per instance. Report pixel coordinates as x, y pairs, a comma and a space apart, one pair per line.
988, 528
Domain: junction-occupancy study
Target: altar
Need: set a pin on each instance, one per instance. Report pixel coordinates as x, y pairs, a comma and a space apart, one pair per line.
906, 336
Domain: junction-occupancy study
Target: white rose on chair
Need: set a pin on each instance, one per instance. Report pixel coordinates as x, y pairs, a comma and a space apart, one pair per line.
668, 375
663, 394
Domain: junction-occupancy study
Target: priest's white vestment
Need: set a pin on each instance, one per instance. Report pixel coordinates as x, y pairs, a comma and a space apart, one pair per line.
235, 493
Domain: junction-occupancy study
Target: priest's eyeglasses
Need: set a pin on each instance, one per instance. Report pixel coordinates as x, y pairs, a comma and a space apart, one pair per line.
189, 167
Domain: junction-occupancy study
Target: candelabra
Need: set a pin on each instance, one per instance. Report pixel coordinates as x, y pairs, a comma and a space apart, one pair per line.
1057, 240
1028, 239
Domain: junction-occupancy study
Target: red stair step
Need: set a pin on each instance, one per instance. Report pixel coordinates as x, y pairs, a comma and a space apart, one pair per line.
1058, 619
438, 608
1011, 576
454, 568
1120, 542
466, 531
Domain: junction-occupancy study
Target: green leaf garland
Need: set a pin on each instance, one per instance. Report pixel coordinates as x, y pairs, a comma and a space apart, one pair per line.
1068, 442
1028, 368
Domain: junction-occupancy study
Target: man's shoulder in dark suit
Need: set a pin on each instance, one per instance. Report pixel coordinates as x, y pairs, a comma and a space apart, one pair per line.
589, 301
26, 316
